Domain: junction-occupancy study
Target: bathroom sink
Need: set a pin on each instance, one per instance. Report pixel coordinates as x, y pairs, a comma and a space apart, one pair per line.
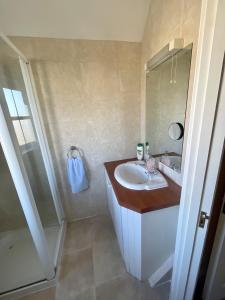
133, 175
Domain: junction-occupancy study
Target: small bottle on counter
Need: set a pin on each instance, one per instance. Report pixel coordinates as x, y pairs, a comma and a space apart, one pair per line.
140, 151
147, 151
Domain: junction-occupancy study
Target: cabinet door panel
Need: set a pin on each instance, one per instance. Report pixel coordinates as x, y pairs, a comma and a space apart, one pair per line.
118, 221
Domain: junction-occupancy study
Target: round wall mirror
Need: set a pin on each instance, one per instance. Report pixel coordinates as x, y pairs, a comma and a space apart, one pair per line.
176, 131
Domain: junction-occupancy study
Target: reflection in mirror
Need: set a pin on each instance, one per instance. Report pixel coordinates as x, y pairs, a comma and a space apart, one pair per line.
166, 97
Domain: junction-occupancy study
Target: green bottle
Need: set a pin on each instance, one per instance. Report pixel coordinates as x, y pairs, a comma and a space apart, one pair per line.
140, 151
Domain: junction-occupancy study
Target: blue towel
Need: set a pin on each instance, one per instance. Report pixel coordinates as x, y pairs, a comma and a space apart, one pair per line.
76, 174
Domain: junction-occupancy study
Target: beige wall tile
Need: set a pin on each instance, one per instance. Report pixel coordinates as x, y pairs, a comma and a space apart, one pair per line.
90, 97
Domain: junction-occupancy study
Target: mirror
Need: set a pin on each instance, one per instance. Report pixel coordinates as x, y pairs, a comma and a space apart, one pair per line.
176, 131
166, 97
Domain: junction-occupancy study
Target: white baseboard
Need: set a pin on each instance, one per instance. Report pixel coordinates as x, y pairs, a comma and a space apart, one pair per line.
161, 271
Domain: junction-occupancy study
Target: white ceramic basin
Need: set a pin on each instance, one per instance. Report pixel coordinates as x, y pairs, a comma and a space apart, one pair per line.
134, 176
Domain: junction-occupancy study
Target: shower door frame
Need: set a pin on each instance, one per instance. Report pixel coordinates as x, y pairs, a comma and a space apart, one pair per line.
25, 195
39, 125
20, 178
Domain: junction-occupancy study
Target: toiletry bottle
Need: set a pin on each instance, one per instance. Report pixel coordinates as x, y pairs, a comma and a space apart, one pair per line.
147, 151
140, 151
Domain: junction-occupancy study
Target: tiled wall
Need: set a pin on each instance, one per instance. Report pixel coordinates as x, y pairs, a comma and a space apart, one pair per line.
90, 94
90, 97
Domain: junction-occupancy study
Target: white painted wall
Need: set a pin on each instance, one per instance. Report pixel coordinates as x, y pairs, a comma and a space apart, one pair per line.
75, 19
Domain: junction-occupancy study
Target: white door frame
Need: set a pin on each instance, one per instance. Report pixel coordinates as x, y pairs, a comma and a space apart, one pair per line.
210, 53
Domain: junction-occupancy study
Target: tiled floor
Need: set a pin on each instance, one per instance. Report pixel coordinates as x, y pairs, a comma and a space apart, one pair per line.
92, 268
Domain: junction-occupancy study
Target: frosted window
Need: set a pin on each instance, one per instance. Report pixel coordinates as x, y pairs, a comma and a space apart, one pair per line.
19, 133
15, 103
10, 102
28, 130
21, 119
24, 131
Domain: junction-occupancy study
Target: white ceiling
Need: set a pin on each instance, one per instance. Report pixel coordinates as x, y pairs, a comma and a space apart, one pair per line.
122, 20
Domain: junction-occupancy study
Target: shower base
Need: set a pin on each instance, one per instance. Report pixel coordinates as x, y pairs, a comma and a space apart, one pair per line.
20, 264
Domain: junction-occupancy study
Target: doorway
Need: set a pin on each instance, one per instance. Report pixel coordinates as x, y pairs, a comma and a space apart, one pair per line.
210, 244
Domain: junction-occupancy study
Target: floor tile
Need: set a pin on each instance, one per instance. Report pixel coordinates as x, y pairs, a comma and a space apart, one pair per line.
81, 234
92, 268
88, 294
120, 288
107, 261
163, 291
104, 230
76, 274
48, 294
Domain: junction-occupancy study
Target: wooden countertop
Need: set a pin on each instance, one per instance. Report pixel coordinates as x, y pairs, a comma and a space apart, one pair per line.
143, 201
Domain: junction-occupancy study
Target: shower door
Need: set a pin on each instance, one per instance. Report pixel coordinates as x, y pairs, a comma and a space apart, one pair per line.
26, 152
18, 254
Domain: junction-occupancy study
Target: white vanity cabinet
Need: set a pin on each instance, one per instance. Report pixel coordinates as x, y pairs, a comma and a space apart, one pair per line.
116, 213
146, 240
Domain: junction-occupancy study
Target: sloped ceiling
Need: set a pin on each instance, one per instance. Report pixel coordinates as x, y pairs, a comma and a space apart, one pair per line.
122, 20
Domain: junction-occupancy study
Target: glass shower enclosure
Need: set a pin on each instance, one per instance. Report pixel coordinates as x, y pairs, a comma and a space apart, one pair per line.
31, 215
